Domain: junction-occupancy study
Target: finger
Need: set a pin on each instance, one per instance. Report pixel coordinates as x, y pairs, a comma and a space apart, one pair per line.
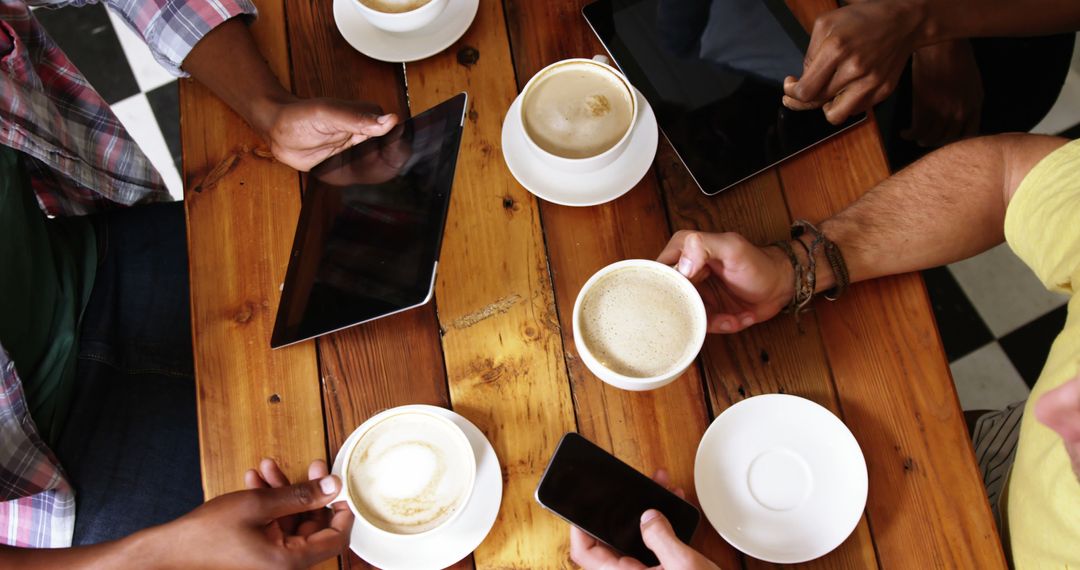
658, 535
796, 105
671, 252
723, 323
358, 118
298, 498
328, 542
818, 71
252, 480
587, 552
273, 474
856, 98
321, 517
662, 477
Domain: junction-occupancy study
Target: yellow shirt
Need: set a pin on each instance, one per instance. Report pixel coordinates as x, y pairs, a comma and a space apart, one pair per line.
1042, 225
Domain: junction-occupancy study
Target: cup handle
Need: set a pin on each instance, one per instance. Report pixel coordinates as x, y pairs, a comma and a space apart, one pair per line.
602, 59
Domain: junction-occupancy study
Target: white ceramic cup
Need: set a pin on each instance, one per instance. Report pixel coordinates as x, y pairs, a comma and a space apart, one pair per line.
591, 163
463, 447
632, 382
399, 22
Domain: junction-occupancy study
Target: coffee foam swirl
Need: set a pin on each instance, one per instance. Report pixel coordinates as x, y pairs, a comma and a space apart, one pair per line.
638, 322
577, 110
409, 473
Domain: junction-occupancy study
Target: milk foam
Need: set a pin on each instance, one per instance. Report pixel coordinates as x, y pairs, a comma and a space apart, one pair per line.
638, 322
409, 473
394, 6
577, 110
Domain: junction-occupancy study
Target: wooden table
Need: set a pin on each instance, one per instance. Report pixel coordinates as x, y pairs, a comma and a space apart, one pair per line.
496, 345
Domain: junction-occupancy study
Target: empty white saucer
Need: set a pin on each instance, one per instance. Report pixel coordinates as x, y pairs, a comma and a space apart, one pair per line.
580, 189
418, 44
445, 546
781, 478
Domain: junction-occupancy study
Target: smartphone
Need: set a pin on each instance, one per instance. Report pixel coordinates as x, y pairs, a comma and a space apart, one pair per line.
594, 491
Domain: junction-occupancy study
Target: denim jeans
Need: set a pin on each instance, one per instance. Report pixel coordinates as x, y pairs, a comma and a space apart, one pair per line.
130, 444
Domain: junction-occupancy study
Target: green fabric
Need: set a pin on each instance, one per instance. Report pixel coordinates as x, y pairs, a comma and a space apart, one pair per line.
47, 271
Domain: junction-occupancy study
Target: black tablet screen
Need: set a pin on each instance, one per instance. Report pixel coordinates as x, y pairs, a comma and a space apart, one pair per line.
370, 227
713, 71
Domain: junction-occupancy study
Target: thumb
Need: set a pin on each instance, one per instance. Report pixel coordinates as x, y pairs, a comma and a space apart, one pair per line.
658, 535
299, 498
359, 118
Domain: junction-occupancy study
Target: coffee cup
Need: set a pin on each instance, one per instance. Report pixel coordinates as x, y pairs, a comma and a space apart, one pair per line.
400, 15
638, 324
408, 472
577, 114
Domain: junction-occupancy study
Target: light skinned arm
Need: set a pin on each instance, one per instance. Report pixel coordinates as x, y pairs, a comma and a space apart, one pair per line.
946, 207
301, 132
271, 525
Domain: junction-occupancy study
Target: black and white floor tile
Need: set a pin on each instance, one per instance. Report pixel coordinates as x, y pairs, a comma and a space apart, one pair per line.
120, 66
996, 319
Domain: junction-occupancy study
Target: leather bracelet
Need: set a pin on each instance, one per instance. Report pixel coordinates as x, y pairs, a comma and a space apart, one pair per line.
832, 254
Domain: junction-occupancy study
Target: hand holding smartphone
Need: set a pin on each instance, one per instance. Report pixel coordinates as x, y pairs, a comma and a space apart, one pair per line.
598, 493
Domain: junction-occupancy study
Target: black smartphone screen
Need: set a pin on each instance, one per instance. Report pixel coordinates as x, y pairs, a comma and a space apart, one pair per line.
605, 497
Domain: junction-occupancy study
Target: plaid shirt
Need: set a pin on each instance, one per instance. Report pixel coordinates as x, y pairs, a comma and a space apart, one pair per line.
81, 161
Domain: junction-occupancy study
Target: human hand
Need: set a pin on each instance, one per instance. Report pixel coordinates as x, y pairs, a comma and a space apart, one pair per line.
947, 94
271, 525
1059, 409
855, 57
740, 283
304, 132
658, 535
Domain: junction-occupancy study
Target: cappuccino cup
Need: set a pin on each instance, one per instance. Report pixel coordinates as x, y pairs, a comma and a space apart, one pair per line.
409, 472
638, 324
400, 15
577, 114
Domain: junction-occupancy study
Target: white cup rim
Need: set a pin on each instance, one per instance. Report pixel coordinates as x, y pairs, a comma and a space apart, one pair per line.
346, 455
643, 383
615, 148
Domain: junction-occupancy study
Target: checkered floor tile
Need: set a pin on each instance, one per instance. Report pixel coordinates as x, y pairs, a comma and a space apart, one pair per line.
996, 319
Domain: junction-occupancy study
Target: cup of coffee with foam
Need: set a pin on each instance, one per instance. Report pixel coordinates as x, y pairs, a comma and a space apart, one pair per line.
638, 324
400, 15
577, 114
410, 472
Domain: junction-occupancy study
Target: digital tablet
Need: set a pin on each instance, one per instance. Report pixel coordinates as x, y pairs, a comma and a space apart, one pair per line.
371, 223
713, 72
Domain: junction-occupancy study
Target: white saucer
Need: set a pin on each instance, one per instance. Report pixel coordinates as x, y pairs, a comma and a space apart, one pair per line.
580, 189
445, 546
781, 478
382, 45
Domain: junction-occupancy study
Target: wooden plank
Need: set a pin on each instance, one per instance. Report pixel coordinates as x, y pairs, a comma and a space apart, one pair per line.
241, 215
393, 361
648, 430
896, 391
502, 346
242, 210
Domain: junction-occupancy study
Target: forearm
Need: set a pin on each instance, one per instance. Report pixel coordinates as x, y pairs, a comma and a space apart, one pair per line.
228, 62
135, 551
946, 207
953, 19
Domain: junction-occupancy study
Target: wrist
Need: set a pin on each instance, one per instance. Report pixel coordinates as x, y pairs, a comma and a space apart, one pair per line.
263, 112
149, 548
825, 279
